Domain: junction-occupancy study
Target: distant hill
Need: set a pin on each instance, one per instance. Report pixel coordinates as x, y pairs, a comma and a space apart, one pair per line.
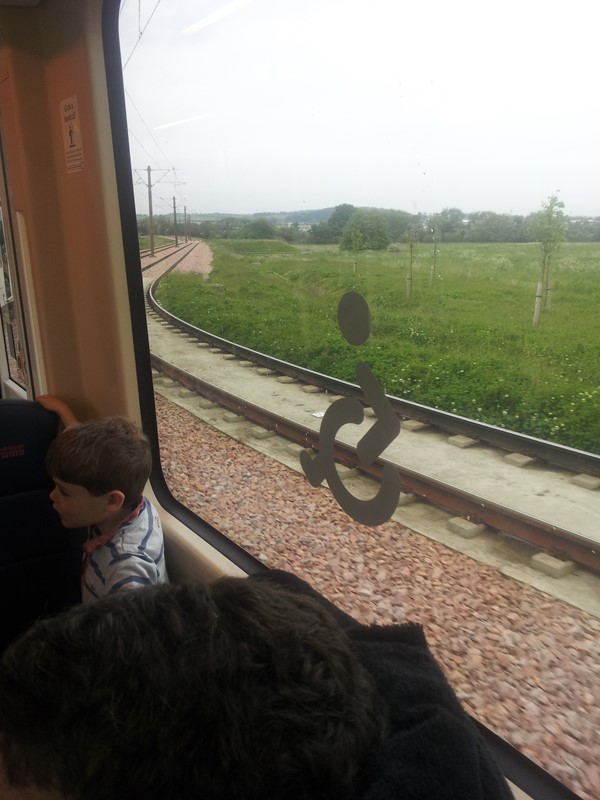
310, 217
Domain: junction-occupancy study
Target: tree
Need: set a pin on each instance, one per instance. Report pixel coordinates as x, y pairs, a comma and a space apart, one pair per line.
259, 228
583, 229
322, 233
548, 227
412, 237
290, 233
339, 218
488, 226
435, 238
230, 227
209, 229
450, 223
399, 221
373, 228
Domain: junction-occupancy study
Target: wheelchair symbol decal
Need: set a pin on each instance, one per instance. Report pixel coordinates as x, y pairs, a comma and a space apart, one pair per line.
354, 320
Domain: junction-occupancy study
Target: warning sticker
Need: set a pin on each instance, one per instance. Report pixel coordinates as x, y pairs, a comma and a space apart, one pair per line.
69, 112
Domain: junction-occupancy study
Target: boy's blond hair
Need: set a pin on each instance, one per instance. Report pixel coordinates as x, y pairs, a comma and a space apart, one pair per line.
102, 455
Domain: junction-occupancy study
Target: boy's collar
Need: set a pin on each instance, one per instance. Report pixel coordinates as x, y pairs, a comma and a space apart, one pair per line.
97, 538
94, 542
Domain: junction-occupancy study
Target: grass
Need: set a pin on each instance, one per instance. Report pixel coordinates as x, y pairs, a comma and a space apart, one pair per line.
159, 241
463, 342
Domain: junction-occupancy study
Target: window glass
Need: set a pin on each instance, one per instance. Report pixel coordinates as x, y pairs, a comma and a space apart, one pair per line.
413, 190
13, 344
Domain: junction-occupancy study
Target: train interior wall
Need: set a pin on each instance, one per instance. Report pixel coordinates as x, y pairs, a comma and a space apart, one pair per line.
67, 229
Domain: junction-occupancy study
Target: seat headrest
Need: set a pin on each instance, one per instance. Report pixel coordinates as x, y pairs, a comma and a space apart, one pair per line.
26, 431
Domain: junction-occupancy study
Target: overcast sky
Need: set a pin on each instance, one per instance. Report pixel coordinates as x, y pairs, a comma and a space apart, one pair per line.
279, 105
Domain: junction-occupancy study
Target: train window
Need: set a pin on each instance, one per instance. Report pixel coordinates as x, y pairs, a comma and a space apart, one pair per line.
383, 225
13, 361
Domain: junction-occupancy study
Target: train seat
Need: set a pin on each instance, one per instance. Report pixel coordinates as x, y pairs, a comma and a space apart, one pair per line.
40, 561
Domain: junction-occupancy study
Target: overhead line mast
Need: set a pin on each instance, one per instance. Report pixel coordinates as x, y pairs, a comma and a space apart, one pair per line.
149, 184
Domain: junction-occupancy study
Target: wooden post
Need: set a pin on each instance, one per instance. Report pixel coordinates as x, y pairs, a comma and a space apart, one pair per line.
538, 303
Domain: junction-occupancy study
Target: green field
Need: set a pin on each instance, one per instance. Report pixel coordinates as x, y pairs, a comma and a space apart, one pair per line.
463, 341
159, 241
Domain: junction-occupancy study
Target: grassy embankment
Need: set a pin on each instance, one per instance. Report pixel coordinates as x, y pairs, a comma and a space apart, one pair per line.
463, 342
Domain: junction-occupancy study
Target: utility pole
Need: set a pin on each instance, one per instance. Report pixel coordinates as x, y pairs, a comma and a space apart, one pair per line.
150, 217
175, 222
138, 173
185, 223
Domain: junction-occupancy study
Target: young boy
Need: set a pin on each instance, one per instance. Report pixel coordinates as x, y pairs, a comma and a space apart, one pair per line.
99, 469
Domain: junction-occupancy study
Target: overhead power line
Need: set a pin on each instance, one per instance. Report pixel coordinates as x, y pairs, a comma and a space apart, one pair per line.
133, 136
141, 30
165, 156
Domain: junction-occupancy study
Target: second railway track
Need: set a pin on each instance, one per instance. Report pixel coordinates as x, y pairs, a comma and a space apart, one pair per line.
554, 513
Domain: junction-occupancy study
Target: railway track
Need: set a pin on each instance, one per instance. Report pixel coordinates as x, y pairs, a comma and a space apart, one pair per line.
168, 250
557, 539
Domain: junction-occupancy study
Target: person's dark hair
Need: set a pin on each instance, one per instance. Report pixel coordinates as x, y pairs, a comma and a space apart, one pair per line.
240, 690
102, 455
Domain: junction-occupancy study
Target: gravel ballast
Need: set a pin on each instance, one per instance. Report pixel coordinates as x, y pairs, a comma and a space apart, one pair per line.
524, 663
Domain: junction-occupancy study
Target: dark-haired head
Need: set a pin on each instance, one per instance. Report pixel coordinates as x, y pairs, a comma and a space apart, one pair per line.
102, 455
239, 690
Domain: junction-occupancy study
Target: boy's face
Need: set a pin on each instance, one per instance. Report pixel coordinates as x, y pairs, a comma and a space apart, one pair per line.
76, 507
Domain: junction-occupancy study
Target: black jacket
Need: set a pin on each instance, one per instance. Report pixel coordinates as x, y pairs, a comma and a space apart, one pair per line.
433, 750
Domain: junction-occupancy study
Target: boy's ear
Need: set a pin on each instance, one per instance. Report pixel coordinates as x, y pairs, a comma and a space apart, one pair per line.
114, 501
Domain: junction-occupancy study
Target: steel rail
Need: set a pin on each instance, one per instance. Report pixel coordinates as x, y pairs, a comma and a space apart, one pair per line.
558, 541
157, 249
189, 245
577, 461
